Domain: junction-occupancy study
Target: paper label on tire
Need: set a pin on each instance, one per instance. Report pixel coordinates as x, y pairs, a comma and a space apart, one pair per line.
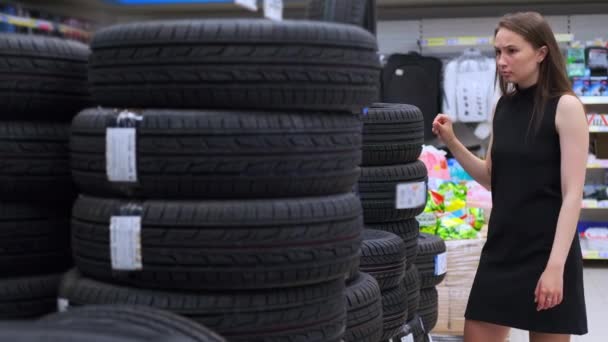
441, 263
273, 9
125, 243
411, 195
408, 338
251, 5
121, 154
62, 304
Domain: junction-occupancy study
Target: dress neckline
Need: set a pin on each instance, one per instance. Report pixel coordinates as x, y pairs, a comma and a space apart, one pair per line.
527, 92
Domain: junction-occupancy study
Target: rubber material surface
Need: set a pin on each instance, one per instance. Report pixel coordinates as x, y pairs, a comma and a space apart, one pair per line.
364, 310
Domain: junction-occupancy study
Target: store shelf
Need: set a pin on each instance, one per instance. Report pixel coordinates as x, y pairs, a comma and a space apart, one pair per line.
477, 40
594, 249
594, 100
42, 25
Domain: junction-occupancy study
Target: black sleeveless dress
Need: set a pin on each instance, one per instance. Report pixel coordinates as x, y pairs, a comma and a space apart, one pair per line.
526, 198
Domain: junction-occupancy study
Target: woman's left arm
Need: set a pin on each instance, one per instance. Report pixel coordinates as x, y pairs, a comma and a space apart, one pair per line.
571, 123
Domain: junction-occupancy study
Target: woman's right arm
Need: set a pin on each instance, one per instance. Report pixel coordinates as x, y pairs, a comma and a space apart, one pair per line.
478, 168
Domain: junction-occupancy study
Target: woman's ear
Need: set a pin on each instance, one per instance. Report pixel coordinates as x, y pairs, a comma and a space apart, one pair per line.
541, 54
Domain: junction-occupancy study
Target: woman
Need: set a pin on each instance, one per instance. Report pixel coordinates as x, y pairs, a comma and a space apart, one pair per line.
530, 272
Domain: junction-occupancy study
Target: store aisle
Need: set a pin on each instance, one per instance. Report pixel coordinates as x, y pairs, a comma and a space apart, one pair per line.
596, 293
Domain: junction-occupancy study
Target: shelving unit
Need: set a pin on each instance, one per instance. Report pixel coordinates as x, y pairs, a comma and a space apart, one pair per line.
594, 100
44, 25
595, 246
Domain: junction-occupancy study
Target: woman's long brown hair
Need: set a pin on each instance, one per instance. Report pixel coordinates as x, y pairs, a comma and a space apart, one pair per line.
552, 79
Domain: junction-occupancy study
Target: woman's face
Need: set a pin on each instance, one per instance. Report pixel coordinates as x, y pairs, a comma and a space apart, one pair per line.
517, 60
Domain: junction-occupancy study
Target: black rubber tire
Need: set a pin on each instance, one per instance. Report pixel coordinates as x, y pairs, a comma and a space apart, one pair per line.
221, 154
337, 11
428, 310
35, 161
383, 257
28, 297
364, 310
411, 282
34, 238
392, 134
395, 311
42, 77
414, 326
408, 230
227, 244
47, 332
138, 318
429, 246
315, 313
378, 191
242, 63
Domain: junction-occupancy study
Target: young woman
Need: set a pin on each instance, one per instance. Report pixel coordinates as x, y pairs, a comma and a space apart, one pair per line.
530, 274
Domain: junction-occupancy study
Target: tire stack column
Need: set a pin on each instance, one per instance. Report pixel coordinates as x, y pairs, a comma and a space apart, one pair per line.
42, 86
216, 176
393, 190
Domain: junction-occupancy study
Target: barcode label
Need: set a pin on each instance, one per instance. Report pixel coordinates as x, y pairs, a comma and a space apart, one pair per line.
125, 243
62, 304
121, 155
441, 263
411, 195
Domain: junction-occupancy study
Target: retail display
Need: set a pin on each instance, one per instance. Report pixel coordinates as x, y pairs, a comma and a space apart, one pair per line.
247, 200
468, 87
42, 77
392, 134
414, 79
235, 64
364, 310
317, 313
220, 154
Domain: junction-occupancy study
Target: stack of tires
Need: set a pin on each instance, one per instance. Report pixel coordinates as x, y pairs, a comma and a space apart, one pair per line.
392, 186
227, 196
42, 86
431, 263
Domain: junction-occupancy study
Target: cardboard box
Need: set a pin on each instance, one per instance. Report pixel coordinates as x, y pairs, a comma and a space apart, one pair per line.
463, 259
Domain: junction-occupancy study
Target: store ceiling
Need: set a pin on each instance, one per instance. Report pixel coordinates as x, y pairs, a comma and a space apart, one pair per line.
107, 11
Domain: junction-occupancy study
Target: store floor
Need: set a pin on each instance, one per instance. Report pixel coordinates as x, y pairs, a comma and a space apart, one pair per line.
596, 293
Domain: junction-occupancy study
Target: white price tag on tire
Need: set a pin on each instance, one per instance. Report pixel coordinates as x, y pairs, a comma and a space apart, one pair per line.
410, 195
125, 243
273, 9
251, 5
441, 263
121, 154
408, 338
62, 304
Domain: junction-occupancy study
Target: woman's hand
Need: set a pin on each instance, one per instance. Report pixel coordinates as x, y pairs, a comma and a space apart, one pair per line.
442, 128
549, 291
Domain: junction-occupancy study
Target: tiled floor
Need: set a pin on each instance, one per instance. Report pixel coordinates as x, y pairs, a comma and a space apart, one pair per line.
596, 296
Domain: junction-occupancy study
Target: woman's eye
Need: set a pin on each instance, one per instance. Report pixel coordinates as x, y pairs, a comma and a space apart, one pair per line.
512, 50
